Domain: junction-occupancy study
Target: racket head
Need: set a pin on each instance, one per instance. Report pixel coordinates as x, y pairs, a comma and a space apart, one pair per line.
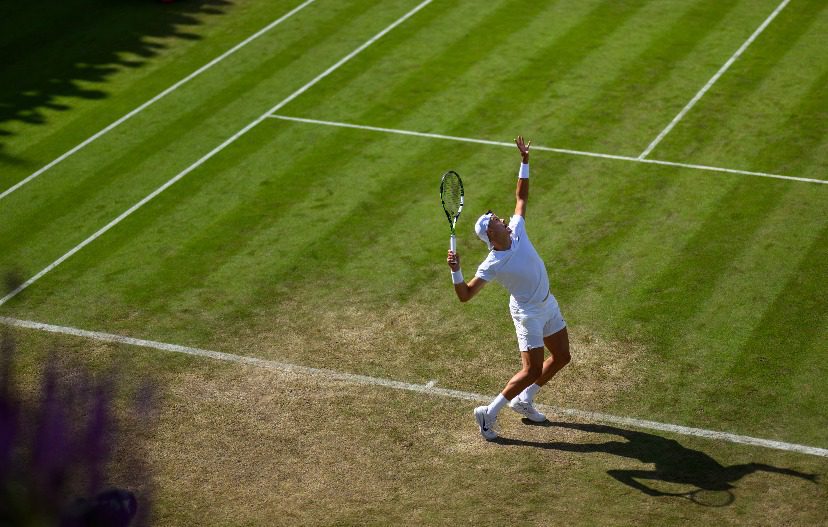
451, 196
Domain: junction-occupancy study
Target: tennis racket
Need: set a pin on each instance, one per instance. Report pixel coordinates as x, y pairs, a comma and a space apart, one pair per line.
451, 195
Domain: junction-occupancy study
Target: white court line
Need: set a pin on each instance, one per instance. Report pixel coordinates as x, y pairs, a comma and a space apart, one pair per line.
210, 154
428, 388
548, 149
159, 96
712, 80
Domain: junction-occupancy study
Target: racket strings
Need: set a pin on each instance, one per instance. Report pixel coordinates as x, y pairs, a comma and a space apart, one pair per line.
452, 194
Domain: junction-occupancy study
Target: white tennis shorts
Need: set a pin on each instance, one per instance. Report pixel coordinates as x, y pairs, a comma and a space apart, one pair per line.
533, 322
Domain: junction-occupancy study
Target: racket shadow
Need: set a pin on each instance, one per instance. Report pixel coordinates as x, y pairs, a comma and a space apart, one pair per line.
674, 462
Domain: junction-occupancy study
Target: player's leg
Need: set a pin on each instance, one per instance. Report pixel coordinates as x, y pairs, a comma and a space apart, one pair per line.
556, 339
532, 366
513, 390
532, 369
486, 416
558, 345
530, 342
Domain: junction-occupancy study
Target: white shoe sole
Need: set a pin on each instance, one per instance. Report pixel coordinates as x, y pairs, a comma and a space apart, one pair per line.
536, 417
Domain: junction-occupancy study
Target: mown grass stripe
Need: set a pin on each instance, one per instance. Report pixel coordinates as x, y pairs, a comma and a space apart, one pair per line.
764, 365
619, 109
712, 81
546, 149
427, 388
562, 51
155, 99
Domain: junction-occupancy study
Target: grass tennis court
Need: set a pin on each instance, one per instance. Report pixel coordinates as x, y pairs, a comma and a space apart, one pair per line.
694, 295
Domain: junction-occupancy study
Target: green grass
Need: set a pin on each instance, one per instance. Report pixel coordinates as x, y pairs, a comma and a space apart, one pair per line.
693, 297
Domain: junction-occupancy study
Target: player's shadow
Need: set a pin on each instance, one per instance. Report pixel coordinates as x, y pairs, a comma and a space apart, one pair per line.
59, 51
674, 463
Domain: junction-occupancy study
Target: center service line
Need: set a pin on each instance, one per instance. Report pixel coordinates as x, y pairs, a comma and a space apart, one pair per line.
161, 95
712, 80
428, 388
210, 154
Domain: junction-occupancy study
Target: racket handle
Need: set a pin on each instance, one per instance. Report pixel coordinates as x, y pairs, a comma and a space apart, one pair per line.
453, 243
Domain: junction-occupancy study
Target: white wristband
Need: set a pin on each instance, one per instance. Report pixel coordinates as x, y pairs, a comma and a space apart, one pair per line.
457, 277
524, 171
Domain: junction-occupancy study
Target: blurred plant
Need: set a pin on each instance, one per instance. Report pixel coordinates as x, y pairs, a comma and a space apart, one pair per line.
59, 454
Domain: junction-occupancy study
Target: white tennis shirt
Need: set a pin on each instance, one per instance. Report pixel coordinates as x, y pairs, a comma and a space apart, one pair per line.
519, 269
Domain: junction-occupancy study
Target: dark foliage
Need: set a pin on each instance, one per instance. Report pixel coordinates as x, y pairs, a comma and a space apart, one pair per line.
61, 450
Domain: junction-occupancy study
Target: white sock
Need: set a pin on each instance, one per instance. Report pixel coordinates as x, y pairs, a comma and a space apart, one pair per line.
498, 403
528, 395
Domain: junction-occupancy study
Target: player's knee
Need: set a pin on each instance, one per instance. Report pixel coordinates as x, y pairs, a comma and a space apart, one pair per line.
562, 357
534, 371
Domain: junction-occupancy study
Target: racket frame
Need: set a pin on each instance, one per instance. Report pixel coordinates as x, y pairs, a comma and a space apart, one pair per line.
452, 220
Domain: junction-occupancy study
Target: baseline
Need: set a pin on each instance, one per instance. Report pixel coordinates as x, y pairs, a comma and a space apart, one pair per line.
158, 97
210, 154
712, 81
428, 388
548, 149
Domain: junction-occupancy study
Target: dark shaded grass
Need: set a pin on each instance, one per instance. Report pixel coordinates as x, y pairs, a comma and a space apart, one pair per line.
127, 88
85, 44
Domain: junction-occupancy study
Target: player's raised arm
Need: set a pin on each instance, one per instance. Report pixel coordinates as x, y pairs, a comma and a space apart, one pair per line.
522, 191
464, 291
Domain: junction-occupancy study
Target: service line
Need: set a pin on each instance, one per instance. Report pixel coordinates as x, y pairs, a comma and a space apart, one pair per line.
429, 388
547, 149
158, 97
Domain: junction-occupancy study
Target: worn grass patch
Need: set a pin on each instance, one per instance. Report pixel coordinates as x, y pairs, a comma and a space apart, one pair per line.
239, 445
405, 343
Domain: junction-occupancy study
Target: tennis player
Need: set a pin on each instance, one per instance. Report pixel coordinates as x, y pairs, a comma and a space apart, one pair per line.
514, 262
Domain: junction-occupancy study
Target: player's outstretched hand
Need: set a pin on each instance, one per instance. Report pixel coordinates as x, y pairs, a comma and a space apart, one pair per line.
453, 261
523, 147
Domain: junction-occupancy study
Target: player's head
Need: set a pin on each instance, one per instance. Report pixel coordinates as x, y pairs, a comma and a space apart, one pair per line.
492, 230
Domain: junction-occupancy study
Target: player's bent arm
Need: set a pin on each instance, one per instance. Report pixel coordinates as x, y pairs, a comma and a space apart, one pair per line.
465, 291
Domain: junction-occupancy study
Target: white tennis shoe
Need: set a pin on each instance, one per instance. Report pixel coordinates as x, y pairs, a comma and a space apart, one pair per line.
485, 422
527, 410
